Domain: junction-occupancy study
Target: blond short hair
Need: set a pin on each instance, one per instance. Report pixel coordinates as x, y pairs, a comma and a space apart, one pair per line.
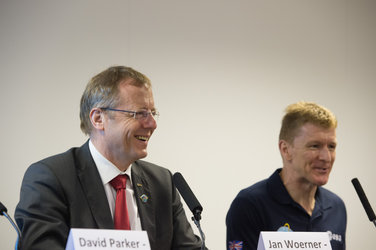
300, 113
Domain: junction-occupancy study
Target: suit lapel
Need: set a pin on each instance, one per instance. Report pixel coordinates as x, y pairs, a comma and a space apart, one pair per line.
144, 200
93, 188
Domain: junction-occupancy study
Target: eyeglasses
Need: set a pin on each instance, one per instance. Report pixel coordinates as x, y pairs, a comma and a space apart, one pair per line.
138, 115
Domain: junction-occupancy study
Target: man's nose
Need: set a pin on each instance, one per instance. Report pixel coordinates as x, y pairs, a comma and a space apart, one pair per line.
150, 122
325, 154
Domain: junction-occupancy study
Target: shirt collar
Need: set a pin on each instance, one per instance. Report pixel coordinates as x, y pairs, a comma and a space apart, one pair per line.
107, 170
279, 192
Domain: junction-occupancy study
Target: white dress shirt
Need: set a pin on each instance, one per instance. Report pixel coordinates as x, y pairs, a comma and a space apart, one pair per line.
108, 171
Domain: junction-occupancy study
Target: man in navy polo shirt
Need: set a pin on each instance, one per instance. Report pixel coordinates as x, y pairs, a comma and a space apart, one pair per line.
292, 198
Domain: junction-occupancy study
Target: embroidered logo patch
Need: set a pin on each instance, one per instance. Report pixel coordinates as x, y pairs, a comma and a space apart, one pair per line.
235, 245
285, 228
334, 236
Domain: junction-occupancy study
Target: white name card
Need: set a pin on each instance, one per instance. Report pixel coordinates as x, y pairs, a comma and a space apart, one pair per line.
294, 241
90, 239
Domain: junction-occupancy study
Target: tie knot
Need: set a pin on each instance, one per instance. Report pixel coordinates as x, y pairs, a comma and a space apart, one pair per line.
119, 182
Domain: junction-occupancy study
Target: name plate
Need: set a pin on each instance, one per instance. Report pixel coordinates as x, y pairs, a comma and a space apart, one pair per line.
80, 239
294, 241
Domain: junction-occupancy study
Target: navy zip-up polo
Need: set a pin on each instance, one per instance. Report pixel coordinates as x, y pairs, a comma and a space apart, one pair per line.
267, 206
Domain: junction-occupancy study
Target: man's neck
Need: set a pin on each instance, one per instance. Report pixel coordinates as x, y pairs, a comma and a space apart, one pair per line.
301, 192
121, 164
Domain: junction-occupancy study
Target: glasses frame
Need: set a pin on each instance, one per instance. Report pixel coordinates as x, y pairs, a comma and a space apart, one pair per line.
142, 114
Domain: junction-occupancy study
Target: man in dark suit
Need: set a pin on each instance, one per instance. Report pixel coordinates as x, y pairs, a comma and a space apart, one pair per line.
74, 189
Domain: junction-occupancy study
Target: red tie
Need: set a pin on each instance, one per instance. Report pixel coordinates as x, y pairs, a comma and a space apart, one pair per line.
121, 218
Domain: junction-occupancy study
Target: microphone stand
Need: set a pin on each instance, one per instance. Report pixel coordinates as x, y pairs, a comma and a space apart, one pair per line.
15, 227
191, 201
196, 219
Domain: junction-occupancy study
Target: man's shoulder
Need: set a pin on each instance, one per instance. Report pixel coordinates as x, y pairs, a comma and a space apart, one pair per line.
151, 170
148, 166
63, 161
329, 197
256, 190
58, 157
259, 192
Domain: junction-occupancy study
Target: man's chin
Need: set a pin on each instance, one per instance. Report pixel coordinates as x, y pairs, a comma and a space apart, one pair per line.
142, 155
321, 181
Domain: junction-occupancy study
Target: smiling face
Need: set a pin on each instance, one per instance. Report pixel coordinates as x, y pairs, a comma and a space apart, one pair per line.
310, 157
125, 138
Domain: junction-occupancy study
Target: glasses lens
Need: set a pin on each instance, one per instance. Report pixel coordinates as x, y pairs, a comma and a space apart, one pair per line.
155, 114
142, 115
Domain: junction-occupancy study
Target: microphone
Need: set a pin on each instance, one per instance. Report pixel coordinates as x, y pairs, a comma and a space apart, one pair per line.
187, 194
3, 211
192, 202
364, 200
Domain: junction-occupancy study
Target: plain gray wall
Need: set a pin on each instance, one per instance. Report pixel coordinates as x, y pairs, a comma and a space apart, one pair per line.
223, 72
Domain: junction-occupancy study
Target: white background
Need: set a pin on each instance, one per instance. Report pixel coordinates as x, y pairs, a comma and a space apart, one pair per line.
222, 73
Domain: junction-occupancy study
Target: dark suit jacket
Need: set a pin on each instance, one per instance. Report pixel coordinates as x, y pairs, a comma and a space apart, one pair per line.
65, 191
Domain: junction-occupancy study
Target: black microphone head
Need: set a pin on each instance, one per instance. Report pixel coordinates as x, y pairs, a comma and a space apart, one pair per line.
363, 199
187, 194
2, 209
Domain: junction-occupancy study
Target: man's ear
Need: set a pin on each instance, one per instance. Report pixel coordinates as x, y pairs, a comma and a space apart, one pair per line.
97, 118
285, 150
